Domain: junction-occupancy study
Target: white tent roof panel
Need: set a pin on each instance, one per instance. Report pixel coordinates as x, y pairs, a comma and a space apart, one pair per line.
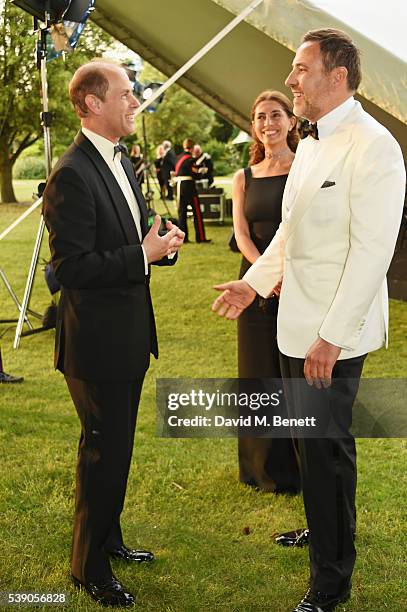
257, 55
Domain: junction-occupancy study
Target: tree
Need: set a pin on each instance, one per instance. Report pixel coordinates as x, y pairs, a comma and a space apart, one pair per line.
20, 100
179, 116
222, 130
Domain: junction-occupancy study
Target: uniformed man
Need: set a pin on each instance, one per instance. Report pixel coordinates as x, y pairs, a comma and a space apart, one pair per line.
186, 173
203, 160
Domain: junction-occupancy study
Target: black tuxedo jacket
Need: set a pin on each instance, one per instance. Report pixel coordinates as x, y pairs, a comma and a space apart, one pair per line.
105, 326
168, 164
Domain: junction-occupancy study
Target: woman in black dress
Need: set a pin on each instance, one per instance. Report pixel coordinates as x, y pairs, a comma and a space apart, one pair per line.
266, 463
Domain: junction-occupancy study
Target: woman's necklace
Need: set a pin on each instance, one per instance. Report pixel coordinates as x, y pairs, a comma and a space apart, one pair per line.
278, 154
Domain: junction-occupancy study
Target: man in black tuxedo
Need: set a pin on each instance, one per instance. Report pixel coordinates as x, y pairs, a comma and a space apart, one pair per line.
168, 166
101, 253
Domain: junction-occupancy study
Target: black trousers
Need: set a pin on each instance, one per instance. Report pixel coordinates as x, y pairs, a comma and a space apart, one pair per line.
170, 190
108, 413
189, 197
328, 470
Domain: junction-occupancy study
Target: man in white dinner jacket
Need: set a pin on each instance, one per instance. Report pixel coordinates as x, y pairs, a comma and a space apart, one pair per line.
341, 213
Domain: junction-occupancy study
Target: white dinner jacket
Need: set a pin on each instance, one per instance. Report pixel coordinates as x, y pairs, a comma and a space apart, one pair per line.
336, 241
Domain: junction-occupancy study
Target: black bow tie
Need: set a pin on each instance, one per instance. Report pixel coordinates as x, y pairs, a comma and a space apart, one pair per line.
119, 148
309, 129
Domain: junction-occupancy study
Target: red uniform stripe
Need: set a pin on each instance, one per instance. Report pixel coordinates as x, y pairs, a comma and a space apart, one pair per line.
181, 161
201, 230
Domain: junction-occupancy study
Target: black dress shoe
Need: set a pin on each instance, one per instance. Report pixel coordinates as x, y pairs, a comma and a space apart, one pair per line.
131, 556
9, 378
110, 593
298, 538
315, 601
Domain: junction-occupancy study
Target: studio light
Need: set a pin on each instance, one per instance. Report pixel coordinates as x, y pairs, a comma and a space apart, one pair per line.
65, 34
67, 20
37, 8
142, 91
148, 90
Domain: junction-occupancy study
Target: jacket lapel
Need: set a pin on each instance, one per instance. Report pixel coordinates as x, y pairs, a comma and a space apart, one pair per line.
289, 193
128, 168
332, 150
117, 197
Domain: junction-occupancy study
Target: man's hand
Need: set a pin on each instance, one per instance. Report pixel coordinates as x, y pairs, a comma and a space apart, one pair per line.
156, 247
236, 296
319, 362
176, 243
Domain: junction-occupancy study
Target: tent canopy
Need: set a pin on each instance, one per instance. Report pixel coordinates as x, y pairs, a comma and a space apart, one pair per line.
257, 55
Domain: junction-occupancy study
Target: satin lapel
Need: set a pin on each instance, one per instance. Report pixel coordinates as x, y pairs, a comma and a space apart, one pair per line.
117, 197
128, 168
289, 193
332, 150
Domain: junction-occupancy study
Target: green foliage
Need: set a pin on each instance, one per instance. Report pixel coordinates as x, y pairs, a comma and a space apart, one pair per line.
180, 115
245, 154
222, 130
225, 157
20, 100
29, 168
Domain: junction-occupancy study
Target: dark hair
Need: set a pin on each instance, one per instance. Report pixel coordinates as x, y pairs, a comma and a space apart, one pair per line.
337, 49
87, 80
257, 147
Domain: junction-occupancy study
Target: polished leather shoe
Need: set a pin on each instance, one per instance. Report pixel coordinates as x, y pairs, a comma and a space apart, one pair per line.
9, 378
131, 556
298, 538
110, 593
316, 601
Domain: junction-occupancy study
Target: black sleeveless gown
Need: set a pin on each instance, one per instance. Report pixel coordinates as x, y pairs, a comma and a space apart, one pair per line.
267, 463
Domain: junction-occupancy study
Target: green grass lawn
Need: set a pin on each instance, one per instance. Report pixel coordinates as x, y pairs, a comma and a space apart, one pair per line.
184, 501
25, 189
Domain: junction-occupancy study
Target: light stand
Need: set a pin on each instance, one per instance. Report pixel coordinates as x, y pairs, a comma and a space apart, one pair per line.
3, 276
46, 124
64, 22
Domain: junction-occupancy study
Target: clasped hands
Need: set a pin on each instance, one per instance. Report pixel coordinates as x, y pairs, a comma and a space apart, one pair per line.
321, 356
156, 247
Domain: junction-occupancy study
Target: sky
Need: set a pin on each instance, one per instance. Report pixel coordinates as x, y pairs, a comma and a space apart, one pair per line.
384, 21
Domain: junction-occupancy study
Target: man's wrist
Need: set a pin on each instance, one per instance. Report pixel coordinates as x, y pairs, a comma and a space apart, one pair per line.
342, 347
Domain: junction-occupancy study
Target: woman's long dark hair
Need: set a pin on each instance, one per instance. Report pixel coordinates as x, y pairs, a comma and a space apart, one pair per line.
257, 147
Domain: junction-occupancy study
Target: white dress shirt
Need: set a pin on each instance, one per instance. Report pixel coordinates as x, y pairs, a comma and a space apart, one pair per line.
106, 149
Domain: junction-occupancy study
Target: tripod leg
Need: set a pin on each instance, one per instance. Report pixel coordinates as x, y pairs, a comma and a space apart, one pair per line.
14, 298
29, 284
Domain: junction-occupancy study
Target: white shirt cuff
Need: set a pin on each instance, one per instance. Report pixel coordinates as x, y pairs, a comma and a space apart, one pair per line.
145, 261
